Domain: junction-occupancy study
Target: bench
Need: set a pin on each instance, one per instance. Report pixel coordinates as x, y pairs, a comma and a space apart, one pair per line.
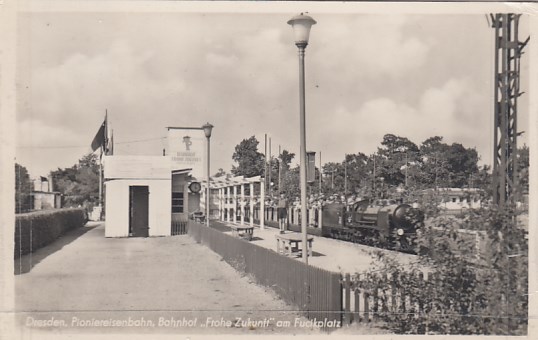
289, 243
245, 232
198, 216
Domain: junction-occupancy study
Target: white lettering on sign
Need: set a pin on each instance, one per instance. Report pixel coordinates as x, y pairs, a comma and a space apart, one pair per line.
187, 150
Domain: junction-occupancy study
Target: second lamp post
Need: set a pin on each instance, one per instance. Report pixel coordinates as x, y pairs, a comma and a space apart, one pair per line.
207, 131
301, 28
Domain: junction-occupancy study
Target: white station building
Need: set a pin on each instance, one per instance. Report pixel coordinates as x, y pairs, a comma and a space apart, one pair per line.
149, 195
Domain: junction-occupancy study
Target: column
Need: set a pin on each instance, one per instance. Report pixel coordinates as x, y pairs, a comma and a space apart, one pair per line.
235, 204
262, 203
242, 204
220, 204
228, 217
251, 205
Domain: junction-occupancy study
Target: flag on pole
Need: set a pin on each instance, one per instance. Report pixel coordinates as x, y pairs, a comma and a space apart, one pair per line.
110, 145
100, 138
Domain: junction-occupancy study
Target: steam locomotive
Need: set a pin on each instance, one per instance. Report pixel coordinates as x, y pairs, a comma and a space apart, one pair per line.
383, 222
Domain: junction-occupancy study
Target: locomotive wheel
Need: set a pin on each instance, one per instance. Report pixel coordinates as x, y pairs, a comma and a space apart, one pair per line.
357, 237
404, 244
370, 239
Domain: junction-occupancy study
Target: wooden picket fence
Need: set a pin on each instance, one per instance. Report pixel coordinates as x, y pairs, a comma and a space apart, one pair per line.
316, 292
325, 295
395, 293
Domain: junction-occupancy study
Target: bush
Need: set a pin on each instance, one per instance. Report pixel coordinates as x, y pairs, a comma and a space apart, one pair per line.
37, 229
466, 292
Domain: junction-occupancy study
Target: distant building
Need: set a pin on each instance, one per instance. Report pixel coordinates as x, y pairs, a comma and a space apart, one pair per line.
456, 199
42, 195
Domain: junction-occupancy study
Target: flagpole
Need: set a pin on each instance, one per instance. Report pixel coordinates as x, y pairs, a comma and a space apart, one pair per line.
279, 169
104, 147
320, 191
270, 169
265, 167
100, 184
101, 179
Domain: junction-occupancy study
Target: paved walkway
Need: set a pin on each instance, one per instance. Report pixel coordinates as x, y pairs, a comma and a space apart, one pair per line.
87, 283
330, 254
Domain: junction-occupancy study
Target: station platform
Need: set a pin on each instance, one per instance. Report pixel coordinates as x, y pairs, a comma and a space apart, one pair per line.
329, 254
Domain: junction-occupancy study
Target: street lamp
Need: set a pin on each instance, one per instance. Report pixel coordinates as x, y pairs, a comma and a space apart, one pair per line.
301, 25
207, 131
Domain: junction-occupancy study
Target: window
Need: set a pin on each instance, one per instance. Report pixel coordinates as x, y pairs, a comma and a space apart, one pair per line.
177, 202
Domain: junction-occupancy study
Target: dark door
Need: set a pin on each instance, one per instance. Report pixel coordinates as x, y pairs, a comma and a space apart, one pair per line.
138, 211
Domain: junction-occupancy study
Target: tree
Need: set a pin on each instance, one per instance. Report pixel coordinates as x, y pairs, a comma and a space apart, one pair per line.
435, 171
334, 178
250, 161
290, 183
220, 173
286, 157
355, 165
395, 155
282, 164
23, 189
483, 181
80, 183
523, 168
462, 163
447, 165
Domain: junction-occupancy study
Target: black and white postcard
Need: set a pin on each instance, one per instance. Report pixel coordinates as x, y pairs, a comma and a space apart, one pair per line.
197, 169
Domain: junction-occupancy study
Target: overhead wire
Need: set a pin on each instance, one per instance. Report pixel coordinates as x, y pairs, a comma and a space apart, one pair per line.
84, 146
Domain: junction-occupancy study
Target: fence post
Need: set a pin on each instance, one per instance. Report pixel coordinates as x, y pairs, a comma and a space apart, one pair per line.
356, 290
413, 299
347, 301
366, 306
403, 297
428, 307
422, 287
375, 296
386, 283
393, 291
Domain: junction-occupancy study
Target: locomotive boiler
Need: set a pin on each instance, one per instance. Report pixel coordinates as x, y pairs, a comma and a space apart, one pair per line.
383, 222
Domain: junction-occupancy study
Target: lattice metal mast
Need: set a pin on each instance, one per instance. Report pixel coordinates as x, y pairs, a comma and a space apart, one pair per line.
508, 51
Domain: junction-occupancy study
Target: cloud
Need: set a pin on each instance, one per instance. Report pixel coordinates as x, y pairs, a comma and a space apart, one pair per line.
221, 60
49, 144
366, 75
453, 111
372, 45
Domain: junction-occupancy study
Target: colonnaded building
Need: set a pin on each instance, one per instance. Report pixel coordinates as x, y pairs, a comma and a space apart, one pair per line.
149, 195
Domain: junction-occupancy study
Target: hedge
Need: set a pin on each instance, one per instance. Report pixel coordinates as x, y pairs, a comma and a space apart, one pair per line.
37, 229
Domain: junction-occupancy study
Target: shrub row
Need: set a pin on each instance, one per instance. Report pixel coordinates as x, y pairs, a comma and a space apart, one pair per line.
37, 229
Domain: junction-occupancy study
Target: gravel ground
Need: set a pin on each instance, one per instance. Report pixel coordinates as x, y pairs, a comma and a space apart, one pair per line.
146, 285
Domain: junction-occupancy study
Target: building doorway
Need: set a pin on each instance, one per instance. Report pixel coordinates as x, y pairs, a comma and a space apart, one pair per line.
138, 211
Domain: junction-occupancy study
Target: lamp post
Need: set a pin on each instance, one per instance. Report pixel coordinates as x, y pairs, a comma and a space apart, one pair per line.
207, 131
301, 25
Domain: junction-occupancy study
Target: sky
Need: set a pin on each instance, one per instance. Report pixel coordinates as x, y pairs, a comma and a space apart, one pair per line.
367, 75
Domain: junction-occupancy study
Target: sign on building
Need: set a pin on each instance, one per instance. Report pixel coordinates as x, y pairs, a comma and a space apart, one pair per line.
186, 148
